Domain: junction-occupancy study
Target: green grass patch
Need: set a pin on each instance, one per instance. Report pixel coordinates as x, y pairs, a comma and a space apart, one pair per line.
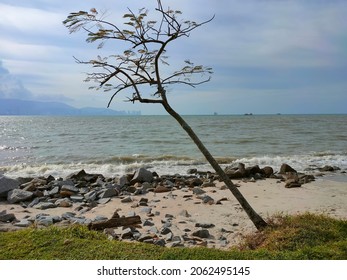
305, 236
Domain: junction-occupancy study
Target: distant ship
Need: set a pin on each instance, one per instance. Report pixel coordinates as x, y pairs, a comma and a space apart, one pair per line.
249, 114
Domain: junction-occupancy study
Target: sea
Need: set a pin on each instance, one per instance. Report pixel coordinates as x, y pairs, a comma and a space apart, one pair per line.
117, 145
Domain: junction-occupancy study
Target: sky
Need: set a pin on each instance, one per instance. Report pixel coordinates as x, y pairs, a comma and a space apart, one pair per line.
268, 56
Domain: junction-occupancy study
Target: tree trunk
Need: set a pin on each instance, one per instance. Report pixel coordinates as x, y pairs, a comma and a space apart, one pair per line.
257, 220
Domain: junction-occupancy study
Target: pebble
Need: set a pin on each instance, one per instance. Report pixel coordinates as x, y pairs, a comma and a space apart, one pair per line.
127, 199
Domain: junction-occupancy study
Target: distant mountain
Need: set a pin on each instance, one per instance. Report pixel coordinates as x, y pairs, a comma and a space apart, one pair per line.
24, 107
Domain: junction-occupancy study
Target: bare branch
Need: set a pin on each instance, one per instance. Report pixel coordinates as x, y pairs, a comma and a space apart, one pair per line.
140, 64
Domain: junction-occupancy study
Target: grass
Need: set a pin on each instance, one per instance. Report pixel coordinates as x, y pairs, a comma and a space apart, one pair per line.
305, 236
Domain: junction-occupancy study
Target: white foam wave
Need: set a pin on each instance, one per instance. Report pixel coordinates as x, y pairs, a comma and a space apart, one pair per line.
299, 162
171, 165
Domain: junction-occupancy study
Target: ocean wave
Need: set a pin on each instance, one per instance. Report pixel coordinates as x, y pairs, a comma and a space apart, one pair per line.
170, 164
10, 148
300, 162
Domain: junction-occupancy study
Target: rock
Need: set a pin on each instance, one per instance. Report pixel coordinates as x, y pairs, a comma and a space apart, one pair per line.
257, 176
35, 201
208, 184
146, 187
123, 181
202, 233
168, 236
7, 217
165, 231
198, 191
131, 189
45, 205
70, 188
63, 203
83, 176
17, 195
267, 171
78, 176
148, 223
104, 200
285, 168
143, 201
126, 199
127, 233
192, 171
208, 200
109, 192
147, 238
142, 175
241, 169
234, 174
79, 221
44, 220
292, 183
195, 182
77, 198
252, 170
100, 218
173, 244
90, 196
146, 210
154, 230
169, 216
160, 242
23, 223
52, 192
169, 184
184, 213
304, 179
68, 215
327, 168
6, 185
219, 201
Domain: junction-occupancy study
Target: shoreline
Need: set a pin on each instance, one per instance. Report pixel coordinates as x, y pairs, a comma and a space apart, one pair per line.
181, 216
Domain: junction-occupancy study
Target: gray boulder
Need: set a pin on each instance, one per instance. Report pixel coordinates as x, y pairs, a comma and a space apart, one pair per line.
45, 205
17, 195
7, 184
142, 175
44, 220
109, 192
23, 223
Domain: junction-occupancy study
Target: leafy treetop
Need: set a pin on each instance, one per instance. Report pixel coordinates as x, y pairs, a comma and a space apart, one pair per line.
140, 63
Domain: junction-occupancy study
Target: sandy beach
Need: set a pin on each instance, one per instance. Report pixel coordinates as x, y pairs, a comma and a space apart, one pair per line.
224, 219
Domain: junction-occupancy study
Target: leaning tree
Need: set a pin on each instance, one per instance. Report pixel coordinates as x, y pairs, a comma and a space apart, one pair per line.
142, 63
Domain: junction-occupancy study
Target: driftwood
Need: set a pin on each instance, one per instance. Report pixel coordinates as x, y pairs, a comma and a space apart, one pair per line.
115, 221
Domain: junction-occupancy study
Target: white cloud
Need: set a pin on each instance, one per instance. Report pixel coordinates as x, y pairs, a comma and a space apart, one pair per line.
25, 19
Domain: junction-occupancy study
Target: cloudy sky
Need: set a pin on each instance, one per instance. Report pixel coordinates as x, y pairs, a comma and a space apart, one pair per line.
268, 56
